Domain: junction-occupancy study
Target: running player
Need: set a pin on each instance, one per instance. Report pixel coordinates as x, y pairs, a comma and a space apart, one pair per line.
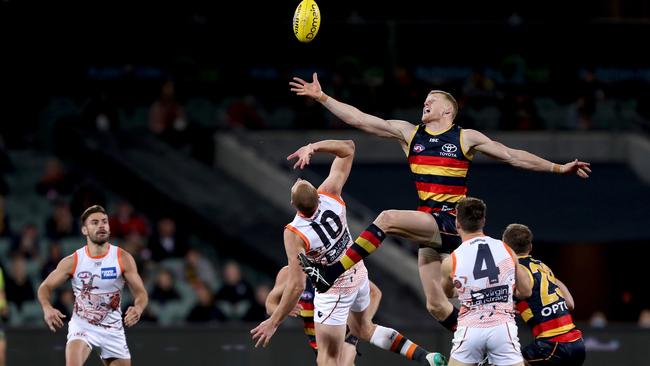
320, 229
305, 310
98, 272
547, 311
439, 154
486, 275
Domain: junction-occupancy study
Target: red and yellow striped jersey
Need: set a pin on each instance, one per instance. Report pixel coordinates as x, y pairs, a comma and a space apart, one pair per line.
439, 165
546, 311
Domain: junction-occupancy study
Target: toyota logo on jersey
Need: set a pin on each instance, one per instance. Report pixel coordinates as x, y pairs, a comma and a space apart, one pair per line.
450, 148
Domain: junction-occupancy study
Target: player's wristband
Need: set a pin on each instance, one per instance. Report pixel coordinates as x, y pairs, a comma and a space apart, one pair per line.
322, 97
555, 168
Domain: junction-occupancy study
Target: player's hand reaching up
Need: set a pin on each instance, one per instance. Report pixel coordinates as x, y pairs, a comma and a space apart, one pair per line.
263, 332
304, 156
53, 318
132, 316
301, 87
576, 167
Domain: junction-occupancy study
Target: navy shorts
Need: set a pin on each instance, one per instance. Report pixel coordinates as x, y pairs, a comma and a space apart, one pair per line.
448, 234
542, 352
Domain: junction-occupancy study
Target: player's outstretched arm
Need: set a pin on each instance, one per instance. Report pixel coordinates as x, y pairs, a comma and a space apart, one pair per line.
567, 295
400, 130
341, 166
275, 295
54, 318
133, 279
295, 285
477, 141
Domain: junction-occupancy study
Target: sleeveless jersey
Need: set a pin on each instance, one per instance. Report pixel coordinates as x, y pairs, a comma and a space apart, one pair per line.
483, 271
326, 238
545, 311
439, 167
307, 313
97, 283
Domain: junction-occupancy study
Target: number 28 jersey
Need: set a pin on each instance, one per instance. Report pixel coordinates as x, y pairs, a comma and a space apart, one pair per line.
483, 271
326, 238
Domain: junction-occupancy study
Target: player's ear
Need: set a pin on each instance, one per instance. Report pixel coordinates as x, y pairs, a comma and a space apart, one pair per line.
84, 230
457, 225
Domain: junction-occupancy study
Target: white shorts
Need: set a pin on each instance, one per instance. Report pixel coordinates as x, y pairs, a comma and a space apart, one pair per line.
500, 343
111, 342
333, 309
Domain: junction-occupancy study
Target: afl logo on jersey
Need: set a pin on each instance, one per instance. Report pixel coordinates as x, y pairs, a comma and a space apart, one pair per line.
418, 148
449, 148
84, 275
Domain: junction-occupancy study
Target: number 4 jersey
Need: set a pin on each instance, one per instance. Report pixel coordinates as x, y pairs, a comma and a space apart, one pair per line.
483, 271
326, 238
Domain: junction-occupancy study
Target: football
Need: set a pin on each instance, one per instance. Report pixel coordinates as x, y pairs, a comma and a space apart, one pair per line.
306, 21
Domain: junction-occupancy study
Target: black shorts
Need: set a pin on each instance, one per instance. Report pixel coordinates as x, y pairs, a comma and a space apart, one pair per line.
448, 234
542, 352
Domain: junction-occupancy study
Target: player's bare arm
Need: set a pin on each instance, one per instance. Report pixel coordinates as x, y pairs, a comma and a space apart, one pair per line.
400, 130
341, 166
447, 280
54, 318
295, 285
275, 295
133, 279
566, 294
523, 282
476, 141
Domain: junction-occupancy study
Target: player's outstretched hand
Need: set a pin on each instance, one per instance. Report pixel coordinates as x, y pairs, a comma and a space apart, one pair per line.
53, 318
262, 333
132, 316
301, 87
576, 167
304, 156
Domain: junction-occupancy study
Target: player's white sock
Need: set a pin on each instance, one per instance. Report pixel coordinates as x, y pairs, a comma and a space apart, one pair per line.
391, 340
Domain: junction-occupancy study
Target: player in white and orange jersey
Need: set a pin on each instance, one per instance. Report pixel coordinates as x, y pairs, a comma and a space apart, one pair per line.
486, 274
320, 231
98, 272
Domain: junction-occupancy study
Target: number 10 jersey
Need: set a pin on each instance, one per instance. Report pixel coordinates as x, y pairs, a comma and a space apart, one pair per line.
326, 238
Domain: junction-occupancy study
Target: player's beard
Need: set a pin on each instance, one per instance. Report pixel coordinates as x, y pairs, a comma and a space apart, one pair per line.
99, 239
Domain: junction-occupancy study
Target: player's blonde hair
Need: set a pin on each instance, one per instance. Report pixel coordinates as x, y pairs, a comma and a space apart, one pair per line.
305, 198
451, 99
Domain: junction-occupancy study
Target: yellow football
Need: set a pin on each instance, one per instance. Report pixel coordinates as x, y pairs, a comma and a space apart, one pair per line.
306, 21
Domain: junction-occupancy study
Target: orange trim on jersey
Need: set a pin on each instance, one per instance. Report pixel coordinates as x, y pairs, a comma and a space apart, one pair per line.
119, 259
453, 264
98, 256
74, 263
301, 235
333, 196
512, 254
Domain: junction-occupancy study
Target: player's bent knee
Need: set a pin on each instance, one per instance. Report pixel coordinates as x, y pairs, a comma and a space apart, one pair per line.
386, 221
